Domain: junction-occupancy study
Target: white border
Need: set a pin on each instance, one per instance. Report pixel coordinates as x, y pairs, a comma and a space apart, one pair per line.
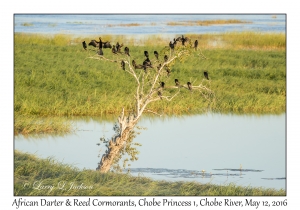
153, 6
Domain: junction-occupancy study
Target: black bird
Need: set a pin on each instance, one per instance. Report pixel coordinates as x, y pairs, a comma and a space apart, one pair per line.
126, 50
159, 94
156, 54
206, 75
94, 43
177, 82
159, 66
168, 70
100, 52
145, 68
123, 65
147, 63
178, 39
119, 49
171, 45
166, 58
84, 45
184, 39
175, 42
117, 46
100, 44
113, 49
137, 66
189, 85
196, 44
106, 45
162, 84
146, 54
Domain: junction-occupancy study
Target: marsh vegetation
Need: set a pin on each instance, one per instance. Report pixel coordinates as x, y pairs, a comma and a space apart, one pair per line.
31, 171
54, 78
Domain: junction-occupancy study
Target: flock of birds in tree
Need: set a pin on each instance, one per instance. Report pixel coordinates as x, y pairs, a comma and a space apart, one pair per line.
116, 49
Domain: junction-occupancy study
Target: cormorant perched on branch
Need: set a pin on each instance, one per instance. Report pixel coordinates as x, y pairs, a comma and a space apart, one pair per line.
159, 66
189, 85
162, 84
94, 43
84, 45
146, 54
100, 47
100, 43
123, 65
156, 54
106, 45
117, 46
196, 44
100, 52
175, 42
178, 39
137, 66
126, 50
206, 75
119, 49
177, 82
171, 45
168, 71
145, 68
147, 63
184, 39
166, 58
113, 49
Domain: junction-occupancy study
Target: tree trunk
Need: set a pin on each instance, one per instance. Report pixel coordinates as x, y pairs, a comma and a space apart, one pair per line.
117, 142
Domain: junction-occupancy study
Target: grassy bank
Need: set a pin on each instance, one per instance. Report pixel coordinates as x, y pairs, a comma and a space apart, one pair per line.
53, 77
30, 171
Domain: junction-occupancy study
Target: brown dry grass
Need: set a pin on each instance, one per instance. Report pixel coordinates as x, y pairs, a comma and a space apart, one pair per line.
206, 22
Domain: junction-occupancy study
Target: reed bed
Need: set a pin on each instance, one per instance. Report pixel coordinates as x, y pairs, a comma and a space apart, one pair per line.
207, 22
53, 77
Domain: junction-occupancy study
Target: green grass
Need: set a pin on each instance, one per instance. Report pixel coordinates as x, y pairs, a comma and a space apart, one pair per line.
29, 169
38, 125
242, 41
53, 77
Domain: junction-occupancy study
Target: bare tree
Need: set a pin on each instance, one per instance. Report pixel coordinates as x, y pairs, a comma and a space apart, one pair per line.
149, 89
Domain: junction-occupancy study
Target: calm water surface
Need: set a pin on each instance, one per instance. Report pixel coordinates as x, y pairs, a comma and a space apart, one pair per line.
149, 24
203, 148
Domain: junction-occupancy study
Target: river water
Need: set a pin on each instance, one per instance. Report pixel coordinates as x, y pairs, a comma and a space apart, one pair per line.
148, 24
244, 149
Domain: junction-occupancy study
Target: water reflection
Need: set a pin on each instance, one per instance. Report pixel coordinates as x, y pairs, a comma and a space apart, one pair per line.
245, 149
